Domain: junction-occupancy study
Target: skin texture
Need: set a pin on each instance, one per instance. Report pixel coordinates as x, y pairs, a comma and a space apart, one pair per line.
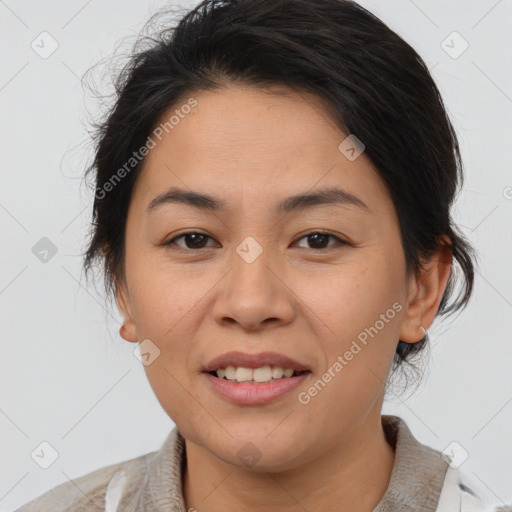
305, 298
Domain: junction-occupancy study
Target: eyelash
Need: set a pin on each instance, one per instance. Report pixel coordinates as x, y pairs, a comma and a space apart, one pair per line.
172, 241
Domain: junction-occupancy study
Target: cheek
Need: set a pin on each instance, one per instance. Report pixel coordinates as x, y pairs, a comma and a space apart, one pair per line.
168, 385
162, 295
362, 311
353, 298
169, 306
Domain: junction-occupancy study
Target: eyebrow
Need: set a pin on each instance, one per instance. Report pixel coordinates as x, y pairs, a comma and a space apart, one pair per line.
299, 202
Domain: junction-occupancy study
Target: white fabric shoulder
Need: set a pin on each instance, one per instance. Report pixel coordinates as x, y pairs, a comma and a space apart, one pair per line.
460, 494
115, 491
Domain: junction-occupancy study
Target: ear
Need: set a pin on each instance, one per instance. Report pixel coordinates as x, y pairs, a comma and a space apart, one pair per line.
425, 293
128, 330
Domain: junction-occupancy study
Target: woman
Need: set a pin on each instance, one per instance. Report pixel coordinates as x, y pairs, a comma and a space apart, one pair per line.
272, 208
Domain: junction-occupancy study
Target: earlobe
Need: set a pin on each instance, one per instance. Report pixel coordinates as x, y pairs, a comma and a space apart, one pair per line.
128, 330
426, 292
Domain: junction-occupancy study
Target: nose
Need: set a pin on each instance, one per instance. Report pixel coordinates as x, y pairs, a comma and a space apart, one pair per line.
254, 294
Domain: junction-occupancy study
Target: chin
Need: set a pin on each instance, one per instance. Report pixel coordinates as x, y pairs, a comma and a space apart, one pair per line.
260, 452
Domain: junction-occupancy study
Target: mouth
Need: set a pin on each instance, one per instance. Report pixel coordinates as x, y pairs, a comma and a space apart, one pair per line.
250, 379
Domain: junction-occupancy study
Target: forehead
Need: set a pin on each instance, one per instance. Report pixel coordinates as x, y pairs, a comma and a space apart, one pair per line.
271, 144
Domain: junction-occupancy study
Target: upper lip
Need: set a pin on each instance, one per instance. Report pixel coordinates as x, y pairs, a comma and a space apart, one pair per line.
237, 358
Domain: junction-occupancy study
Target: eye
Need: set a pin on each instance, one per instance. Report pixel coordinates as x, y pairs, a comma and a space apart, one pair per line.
319, 239
195, 240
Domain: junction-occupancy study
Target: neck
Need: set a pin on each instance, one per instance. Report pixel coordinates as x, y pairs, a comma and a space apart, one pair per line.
353, 475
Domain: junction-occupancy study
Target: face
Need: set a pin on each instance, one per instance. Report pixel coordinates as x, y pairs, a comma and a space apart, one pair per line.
320, 282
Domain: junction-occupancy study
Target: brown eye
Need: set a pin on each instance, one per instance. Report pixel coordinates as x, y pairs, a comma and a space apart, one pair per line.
193, 240
319, 240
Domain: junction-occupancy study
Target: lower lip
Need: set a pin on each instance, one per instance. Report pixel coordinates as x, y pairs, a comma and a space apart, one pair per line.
253, 394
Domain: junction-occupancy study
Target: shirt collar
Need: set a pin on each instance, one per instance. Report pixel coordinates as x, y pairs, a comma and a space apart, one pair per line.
418, 473
415, 484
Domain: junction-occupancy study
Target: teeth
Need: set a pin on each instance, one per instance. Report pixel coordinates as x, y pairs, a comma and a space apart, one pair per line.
230, 373
243, 374
262, 374
277, 372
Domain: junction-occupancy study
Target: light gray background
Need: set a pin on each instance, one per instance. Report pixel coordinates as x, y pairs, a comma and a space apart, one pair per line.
66, 375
